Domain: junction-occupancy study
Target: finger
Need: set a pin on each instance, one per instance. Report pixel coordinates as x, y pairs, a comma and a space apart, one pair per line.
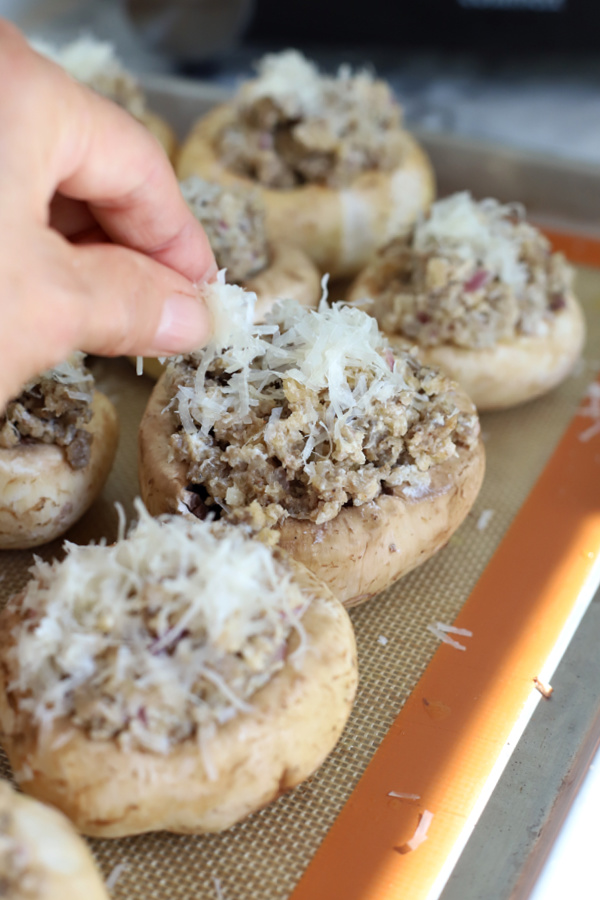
70, 217
91, 236
66, 137
102, 299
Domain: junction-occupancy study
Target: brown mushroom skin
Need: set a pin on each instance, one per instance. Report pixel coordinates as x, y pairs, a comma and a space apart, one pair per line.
339, 229
296, 720
364, 549
41, 496
504, 375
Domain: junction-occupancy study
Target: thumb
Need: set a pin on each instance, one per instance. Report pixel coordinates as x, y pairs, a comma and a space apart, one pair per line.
130, 304
100, 298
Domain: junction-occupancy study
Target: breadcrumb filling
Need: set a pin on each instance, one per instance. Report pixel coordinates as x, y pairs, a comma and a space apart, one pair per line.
161, 637
234, 221
294, 125
315, 413
472, 293
53, 409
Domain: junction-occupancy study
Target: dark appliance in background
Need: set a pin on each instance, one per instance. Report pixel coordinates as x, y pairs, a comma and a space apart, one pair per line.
473, 25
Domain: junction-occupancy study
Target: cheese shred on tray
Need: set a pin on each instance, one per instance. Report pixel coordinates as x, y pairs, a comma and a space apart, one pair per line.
157, 638
306, 414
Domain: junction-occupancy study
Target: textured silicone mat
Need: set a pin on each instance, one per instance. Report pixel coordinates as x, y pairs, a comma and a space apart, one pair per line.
264, 857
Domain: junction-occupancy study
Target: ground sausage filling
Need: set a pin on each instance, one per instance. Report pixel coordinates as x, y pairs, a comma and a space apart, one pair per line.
53, 409
321, 415
234, 221
494, 283
295, 126
157, 638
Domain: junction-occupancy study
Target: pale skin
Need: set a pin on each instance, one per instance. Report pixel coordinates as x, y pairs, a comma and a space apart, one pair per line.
98, 251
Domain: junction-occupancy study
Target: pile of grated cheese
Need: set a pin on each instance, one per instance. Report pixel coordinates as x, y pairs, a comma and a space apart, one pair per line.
337, 350
291, 80
307, 413
294, 125
71, 371
486, 231
94, 62
160, 637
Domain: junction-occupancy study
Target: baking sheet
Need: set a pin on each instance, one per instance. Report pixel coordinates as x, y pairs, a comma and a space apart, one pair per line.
265, 856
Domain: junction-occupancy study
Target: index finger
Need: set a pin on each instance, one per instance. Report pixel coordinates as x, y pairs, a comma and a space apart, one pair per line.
65, 137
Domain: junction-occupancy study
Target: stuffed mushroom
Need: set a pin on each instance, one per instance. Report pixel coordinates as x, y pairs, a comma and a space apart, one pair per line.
94, 63
359, 460
338, 174
179, 679
58, 440
477, 291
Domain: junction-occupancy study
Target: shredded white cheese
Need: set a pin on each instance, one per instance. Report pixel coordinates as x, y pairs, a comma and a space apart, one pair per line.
591, 411
442, 632
401, 796
84, 58
218, 889
115, 874
94, 62
149, 640
290, 79
70, 372
420, 834
484, 231
484, 519
320, 349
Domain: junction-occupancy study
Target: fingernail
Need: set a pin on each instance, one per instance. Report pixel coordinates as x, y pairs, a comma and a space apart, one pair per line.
183, 326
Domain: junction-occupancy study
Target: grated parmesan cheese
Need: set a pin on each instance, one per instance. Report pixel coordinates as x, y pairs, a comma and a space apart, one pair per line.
591, 411
290, 79
94, 62
314, 399
545, 689
292, 125
484, 231
218, 889
158, 637
70, 371
420, 834
401, 796
115, 874
484, 519
442, 632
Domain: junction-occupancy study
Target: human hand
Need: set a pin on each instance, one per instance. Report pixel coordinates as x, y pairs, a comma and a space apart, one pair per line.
98, 251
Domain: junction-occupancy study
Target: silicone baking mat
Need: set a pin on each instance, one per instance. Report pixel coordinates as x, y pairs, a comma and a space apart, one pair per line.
265, 857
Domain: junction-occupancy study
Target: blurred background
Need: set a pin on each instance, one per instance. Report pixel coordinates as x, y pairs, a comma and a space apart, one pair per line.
520, 72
